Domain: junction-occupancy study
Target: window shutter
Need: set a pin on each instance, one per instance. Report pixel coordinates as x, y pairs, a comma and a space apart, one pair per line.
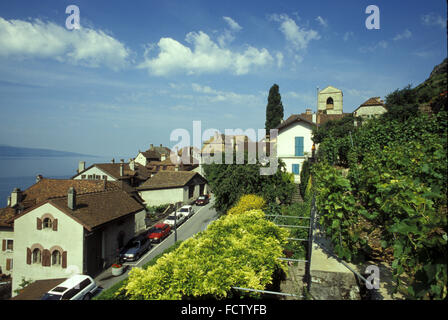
296, 168
55, 225
8, 264
299, 146
64, 259
39, 224
46, 258
28, 256
4, 245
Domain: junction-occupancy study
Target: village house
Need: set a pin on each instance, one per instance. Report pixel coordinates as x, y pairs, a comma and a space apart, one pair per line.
172, 187
56, 227
372, 108
294, 144
129, 174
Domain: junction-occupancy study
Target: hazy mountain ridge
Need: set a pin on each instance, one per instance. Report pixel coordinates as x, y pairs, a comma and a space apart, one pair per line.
10, 151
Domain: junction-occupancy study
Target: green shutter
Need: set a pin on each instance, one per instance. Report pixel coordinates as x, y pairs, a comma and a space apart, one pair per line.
299, 147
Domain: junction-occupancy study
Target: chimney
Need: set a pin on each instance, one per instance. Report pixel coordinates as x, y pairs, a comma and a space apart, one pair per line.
162, 157
81, 166
313, 118
122, 168
176, 168
16, 197
132, 164
38, 178
113, 160
151, 146
9, 201
308, 111
161, 145
71, 198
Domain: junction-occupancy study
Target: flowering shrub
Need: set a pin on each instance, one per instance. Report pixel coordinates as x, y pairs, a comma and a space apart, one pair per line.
246, 203
235, 250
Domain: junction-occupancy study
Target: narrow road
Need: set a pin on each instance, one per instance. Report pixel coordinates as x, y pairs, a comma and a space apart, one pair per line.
198, 222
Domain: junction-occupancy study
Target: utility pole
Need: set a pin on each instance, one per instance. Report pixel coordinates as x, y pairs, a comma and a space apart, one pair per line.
175, 223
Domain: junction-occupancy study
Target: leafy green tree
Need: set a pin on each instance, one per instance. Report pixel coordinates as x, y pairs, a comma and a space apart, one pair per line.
229, 182
274, 109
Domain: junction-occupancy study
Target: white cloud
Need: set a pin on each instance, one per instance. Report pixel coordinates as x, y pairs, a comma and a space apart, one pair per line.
322, 21
296, 36
279, 57
210, 95
232, 24
204, 56
38, 39
431, 19
405, 35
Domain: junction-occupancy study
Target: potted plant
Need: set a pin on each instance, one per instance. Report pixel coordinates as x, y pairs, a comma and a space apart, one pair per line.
117, 269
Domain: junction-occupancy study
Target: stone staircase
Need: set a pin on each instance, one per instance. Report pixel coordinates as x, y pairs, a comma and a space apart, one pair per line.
297, 197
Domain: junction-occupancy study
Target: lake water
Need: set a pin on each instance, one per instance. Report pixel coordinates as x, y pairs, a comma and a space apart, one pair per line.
21, 172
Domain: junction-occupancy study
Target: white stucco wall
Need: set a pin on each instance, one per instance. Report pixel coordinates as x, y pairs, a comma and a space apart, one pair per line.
286, 145
139, 221
162, 196
95, 171
8, 254
370, 111
141, 159
69, 237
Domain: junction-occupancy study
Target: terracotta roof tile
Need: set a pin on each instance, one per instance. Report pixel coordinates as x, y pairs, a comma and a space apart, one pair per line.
169, 179
95, 209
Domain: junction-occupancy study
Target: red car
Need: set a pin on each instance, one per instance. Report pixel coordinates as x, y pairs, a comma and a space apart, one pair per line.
202, 200
159, 232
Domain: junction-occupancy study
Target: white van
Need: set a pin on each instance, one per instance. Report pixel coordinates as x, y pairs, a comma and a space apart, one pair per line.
77, 287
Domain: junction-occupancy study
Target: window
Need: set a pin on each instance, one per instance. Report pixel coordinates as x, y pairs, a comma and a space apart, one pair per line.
37, 257
104, 177
330, 103
47, 223
83, 176
296, 168
7, 245
89, 177
298, 147
56, 258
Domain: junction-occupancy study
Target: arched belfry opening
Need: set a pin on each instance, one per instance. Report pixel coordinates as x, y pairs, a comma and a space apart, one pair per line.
330, 104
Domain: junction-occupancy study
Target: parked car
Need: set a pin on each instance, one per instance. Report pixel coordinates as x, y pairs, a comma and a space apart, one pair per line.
159, 232
202, 200
77, 287
187, 211
135, 248
179, 218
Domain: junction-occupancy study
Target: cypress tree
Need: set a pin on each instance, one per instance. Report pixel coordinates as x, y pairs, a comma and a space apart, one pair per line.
274, 109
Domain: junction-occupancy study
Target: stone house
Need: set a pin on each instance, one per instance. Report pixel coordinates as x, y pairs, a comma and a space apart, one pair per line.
372, 108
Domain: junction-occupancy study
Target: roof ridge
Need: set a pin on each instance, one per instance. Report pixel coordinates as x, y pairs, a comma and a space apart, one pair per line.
86, 193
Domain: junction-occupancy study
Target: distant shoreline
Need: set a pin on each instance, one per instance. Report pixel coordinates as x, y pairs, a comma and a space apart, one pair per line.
19, 152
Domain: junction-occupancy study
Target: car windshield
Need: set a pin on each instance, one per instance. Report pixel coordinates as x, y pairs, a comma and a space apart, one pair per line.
170, 218
135, 244
50, 296
183, 210
156, 230
201, 198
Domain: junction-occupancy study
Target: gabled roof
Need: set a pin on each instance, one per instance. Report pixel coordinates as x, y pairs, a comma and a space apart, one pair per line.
151, 154
375, 101
293, 119
95, 209
46, 189
330, 89
113, 169
170, 179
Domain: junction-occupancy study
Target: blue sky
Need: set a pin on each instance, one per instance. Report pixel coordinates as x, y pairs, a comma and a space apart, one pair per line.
134, 73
